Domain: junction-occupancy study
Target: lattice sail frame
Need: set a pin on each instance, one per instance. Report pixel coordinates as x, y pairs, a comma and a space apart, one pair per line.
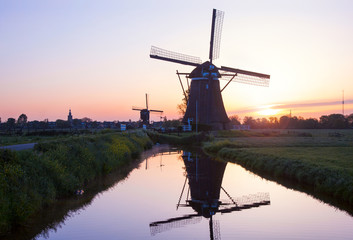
156, 228
251, 199
160, 52
217, 34
245, 79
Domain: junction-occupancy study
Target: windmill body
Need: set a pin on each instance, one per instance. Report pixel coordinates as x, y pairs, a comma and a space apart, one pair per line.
205, 104
205, 100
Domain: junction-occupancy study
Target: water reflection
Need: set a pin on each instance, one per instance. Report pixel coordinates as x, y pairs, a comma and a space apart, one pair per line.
204, 176
205, 193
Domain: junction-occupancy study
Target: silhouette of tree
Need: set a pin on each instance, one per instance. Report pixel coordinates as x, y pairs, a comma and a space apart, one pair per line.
310, 123
273, 122
183, 105
22, 121
11, 123
284, 122
77, 123
249, 121
324, 121
261, 123
62, 124
35, 125
235, 120
337, 121
350, 120
86, 120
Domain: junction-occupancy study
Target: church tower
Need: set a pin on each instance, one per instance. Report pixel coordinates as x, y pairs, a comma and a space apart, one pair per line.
69, 117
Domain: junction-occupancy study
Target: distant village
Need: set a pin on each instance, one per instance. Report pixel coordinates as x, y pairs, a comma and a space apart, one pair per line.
22, 125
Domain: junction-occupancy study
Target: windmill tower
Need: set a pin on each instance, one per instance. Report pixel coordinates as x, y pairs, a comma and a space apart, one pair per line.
205, 103
145, 112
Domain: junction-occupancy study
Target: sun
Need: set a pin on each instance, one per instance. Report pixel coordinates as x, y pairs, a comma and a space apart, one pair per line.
268, 111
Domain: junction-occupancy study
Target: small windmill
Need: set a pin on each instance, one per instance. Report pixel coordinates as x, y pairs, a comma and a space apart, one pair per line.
145, 112
205, 103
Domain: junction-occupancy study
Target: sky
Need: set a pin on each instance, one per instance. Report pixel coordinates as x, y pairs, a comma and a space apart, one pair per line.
93, 56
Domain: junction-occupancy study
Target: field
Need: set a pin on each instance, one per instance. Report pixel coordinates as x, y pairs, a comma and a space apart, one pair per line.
320, 161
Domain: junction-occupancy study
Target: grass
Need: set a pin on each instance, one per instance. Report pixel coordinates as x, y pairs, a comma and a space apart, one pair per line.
178, 139
321, 160
30, 180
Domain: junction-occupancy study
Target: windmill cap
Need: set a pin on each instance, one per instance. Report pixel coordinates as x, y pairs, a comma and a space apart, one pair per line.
204, 70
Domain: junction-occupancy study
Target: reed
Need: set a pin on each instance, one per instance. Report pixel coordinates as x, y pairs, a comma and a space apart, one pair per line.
30, 180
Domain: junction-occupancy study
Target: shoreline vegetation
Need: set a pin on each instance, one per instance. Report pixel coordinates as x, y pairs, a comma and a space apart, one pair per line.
33, 179
319, 161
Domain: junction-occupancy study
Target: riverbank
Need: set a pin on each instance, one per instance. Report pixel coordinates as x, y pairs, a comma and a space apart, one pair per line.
31, 180
319, 160
179, 138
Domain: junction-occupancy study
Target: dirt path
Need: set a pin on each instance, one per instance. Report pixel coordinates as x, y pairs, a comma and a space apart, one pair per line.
19, 147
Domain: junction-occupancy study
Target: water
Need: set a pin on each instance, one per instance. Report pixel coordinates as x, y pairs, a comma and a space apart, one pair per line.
144, 205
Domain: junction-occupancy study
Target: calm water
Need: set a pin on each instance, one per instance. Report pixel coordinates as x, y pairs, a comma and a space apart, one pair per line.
179, 195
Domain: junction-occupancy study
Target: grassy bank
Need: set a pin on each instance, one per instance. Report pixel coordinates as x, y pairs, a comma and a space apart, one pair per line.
178, 139
322, 162
30, 180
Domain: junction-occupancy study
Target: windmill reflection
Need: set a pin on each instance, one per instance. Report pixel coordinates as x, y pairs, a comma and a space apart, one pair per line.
204, 176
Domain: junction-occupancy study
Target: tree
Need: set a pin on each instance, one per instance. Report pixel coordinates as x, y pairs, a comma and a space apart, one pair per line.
310, 123
11, 123
284, 122
22, 121
324, 121
184, 104
337, 121
86, 120
249, 121
62, 124
274, 122
77, 123
350, 120
262, 123
235, 120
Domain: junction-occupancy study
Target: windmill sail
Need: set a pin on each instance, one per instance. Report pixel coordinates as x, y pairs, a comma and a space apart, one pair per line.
162, 54
160, 111
216, 31
245, 79
162, 226
244, 72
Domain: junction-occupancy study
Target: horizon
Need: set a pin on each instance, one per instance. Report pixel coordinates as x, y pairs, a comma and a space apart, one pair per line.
93, 57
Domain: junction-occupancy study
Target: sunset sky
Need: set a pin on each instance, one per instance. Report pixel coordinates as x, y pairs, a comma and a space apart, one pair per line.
93, 56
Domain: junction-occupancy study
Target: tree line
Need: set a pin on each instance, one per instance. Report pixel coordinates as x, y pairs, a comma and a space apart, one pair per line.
332, 121
12, 125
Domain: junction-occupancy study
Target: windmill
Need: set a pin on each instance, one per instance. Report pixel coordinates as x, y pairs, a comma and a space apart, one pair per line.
205, 176
205, 103
145, 112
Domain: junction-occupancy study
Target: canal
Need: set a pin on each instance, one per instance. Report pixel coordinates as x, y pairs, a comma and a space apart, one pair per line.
175, 194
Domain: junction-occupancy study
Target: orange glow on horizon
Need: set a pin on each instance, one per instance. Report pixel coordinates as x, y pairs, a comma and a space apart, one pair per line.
268, 111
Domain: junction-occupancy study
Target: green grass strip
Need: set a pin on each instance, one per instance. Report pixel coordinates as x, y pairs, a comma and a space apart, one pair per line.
327, 170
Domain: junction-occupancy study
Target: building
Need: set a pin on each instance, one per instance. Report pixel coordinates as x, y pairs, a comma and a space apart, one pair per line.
69, 118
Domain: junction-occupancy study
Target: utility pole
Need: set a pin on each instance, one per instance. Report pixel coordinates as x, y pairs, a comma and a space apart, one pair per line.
343, 102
